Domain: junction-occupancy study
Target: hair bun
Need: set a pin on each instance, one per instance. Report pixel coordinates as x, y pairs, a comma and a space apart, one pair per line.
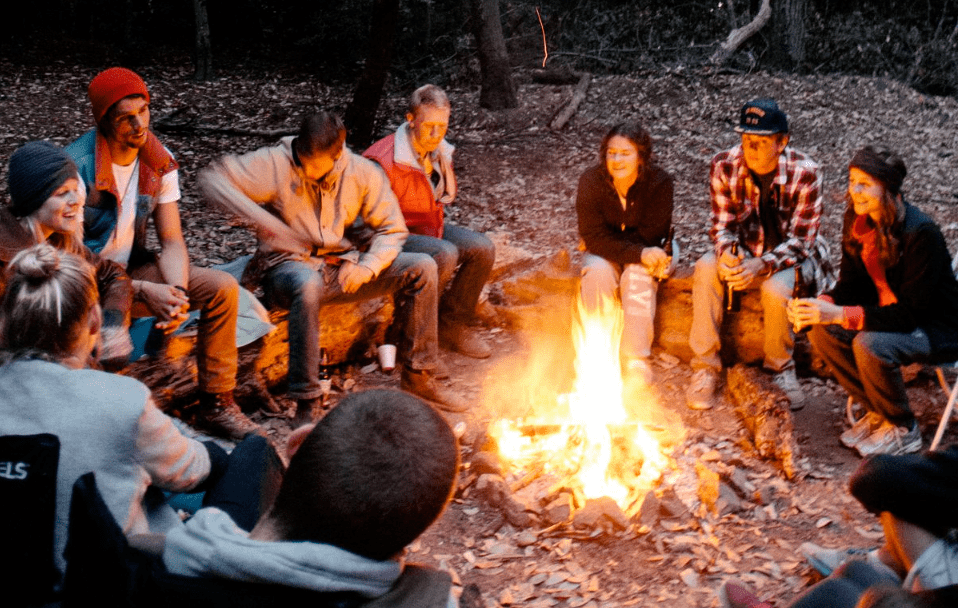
36, 264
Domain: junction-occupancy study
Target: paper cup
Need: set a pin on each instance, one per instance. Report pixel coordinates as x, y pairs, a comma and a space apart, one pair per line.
387, 357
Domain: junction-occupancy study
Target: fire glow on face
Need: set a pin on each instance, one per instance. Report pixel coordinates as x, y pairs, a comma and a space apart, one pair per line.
588, 436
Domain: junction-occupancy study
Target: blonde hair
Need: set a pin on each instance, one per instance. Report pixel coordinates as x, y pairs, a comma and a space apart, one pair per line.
48, 296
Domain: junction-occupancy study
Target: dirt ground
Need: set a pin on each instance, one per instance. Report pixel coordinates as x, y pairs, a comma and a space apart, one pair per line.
517, 180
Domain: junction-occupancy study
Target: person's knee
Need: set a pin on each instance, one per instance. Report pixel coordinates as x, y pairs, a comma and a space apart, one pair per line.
599, 278
869, 346
419, 270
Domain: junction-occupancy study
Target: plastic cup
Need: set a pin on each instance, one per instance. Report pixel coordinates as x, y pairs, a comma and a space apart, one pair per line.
387, 357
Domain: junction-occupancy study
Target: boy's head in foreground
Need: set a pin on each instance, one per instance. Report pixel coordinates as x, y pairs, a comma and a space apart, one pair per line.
370, 477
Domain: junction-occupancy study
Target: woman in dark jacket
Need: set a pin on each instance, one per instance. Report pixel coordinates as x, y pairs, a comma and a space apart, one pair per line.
624, 207
45, 207
895, 303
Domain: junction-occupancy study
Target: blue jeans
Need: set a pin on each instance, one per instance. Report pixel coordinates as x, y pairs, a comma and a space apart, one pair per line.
868, 365
472, 252
708, 292
302, 288
636, 291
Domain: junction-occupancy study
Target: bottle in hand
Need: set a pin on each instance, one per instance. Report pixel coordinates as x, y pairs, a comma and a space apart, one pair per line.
733, 297
325, 374
800, 290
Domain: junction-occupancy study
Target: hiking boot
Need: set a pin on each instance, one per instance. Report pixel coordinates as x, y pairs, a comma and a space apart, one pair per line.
463, 339
219, 414
423, 383
700, 394
865, 426
788, 382
733, 594
827, 561
891, 439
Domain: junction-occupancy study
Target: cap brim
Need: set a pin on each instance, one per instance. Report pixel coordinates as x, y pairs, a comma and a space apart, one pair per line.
757, 131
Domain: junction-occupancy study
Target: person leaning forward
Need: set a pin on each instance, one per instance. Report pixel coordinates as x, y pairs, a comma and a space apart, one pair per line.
766, 199
128, 176
418, 160
304, 195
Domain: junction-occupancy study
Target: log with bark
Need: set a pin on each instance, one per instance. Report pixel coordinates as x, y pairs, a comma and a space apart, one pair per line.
578, 96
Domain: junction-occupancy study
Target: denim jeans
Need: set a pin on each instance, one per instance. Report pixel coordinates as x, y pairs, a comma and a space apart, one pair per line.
636, 290
472, 252
303, 288
868, 365
216, 294
708, 293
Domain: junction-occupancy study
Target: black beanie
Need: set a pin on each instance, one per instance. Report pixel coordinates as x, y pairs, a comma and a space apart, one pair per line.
882, 165
37, 169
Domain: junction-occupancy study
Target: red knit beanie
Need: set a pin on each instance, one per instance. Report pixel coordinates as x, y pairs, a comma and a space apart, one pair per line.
112, 85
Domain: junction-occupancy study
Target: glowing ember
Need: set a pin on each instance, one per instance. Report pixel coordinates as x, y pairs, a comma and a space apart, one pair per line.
587, 435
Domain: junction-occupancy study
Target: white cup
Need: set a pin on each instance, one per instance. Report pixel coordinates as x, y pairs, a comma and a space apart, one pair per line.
387, 357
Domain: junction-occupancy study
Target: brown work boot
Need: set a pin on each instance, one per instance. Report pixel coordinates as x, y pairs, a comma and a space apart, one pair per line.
463, 339
218, 414
423, 383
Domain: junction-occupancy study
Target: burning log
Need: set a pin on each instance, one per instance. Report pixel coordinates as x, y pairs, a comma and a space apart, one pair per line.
764, 409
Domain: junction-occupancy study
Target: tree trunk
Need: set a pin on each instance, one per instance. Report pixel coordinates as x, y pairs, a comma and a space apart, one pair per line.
497, 90
788, 33
203, 59
361, 113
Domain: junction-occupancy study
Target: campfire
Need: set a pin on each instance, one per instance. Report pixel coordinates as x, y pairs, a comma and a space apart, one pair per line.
596, 441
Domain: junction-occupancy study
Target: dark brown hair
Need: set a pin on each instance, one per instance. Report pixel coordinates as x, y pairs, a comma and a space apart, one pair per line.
889, 170
636, 134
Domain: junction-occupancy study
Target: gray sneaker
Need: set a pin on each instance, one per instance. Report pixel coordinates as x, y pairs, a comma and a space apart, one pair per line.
788, 382
891, 439
700, 394
865, 426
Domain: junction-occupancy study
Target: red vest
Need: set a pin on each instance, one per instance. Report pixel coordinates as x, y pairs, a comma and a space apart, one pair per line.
422, 213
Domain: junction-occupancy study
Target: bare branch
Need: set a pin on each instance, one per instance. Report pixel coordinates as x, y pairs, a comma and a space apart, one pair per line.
740, 35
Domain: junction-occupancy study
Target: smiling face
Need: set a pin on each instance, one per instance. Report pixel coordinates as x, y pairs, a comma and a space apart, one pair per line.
427, 127
622, 160
866, 192
761, 152
63, 211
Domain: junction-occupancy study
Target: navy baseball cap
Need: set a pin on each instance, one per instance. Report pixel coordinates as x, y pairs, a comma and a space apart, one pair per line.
762, 117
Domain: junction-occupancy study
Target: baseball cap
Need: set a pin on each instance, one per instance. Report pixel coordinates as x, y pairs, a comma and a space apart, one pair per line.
762, 117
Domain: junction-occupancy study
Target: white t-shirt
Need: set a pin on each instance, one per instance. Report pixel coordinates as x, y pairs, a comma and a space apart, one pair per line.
120, 243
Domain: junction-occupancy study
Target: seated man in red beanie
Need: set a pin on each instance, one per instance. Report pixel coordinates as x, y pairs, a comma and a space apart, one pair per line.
129, 176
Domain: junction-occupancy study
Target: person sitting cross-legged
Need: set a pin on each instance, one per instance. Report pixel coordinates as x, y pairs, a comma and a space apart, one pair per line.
365, 482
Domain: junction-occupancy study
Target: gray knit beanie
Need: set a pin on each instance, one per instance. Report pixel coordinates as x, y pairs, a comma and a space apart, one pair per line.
37, 169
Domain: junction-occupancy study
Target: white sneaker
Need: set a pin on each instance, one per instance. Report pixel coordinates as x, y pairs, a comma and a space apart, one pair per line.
891, 439
701, 391
788, 382
865, 426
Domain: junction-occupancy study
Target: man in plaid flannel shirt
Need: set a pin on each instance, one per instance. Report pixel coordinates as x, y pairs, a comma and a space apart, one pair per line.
767, 198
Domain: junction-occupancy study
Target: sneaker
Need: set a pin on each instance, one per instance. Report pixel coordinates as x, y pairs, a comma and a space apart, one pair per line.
423, 383
219, 414
463, 339
891, 439
865, 426
638, 370
788, 382
827, 561
733, 594
701, 391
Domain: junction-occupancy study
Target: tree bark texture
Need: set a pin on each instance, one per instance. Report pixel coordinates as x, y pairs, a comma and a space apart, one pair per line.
203, 58
497, 90
788, 33
738, 36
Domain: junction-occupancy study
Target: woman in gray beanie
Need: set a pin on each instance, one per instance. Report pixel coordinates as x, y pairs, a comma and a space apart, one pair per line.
895, 303
45, 206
